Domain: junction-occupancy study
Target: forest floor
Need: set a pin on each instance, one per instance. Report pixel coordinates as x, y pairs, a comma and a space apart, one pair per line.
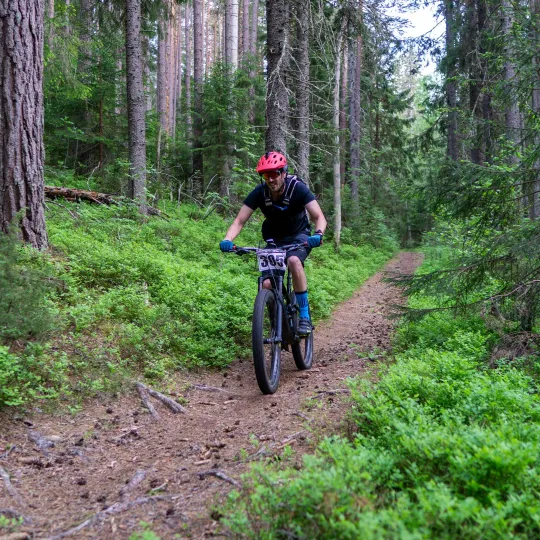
114, 465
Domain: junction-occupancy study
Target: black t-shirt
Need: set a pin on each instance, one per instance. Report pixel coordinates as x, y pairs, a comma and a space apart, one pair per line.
283, 221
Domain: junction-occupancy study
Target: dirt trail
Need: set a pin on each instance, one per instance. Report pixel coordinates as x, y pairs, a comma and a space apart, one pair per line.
82, 466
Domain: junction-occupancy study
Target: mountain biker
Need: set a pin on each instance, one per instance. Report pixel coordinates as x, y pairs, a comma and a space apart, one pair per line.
285, 201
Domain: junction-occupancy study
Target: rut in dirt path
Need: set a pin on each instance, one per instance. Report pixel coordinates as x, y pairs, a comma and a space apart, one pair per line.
114, 464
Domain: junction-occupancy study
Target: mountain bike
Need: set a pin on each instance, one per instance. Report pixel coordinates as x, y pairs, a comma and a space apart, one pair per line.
275, 318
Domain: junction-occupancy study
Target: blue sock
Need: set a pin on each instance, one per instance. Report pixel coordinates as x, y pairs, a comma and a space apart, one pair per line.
302, 299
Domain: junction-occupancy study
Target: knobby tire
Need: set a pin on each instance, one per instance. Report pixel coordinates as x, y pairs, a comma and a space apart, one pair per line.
302, 350
266, 357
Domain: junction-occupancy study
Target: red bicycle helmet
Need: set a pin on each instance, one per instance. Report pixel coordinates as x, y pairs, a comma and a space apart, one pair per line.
271, 161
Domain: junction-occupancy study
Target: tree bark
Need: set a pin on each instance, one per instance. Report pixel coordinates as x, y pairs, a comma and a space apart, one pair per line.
245, 29
276, 92
253, 36
198, 26
136, 105
535, 105
355, 107
21, 118
342, 113
189, 115
451, 84
338, 53
302, 88
231, 33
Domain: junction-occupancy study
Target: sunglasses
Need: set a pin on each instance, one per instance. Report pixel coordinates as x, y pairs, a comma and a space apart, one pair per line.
273, 174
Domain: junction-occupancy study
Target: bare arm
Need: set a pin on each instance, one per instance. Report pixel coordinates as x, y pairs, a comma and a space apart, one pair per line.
316, 215
239, 222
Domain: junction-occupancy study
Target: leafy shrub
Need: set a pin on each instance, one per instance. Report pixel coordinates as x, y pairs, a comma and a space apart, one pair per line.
31, 375
444, 448
25, 310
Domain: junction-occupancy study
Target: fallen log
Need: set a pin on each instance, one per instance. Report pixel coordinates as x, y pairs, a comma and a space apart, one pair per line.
78, 195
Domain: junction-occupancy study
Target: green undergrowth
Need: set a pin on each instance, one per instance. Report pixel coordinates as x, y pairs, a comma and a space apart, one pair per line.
129, 296
445, 448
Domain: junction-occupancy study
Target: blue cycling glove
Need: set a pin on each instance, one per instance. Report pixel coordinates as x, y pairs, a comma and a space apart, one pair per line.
226, 246
315, 240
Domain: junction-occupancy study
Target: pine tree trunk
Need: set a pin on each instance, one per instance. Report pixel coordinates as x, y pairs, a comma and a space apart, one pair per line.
245, 29
451, 84
231, 33
335, 122
535, 105
512, 118
198, 26
277, 102
189, 115
253, 35
478, 101
342, 113
21, 118
136, 105
162, 83
355, 67
302, 88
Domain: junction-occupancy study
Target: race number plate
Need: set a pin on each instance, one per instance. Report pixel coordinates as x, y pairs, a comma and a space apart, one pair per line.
271, 260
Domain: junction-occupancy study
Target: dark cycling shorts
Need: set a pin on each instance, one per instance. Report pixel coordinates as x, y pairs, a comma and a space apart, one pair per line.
301, 252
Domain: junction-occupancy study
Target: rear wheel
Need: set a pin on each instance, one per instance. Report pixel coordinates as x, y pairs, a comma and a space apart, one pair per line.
302, 350
266, 351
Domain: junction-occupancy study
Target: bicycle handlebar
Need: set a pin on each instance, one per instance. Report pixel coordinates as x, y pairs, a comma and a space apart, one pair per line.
249, 249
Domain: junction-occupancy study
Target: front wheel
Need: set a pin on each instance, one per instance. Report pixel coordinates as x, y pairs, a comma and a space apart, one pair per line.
266, 351
302, 349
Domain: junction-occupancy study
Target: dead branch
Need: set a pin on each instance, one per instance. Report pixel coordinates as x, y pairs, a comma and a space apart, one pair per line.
77, 195
221, 475
133, 483
173, 405
170, 403
9, 486
74, 215
143, 392
292, 437
115, 508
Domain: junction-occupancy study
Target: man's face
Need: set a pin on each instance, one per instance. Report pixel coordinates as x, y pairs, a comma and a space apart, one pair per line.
274, 180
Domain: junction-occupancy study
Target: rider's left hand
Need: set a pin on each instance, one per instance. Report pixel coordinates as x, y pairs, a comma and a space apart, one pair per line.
315, 240
226, 246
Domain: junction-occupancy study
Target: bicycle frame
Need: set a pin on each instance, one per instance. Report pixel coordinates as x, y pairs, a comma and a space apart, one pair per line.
284, 307
284, 300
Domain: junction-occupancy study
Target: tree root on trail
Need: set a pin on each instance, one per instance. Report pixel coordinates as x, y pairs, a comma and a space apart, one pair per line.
116, 508
221, 475
133, 483
9, 486
145, 392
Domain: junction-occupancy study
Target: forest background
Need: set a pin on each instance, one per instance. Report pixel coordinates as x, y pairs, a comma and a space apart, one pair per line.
169, 105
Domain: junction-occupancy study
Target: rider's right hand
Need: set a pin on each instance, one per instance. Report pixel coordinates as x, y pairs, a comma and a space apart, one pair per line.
226, 246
